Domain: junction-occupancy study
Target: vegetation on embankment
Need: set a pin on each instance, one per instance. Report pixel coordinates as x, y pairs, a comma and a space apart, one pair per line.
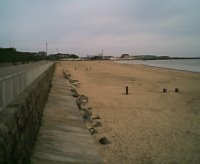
11, 55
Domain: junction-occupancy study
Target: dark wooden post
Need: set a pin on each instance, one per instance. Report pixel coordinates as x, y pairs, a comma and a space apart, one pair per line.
176, 90
164, 90
126, 90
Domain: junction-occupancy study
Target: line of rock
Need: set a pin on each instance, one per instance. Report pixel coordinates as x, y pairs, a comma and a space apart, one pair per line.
92, 121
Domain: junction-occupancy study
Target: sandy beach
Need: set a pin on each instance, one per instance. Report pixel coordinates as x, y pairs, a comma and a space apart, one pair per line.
147, 125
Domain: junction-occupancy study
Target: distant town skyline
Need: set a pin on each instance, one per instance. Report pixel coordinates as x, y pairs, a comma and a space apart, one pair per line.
136, 27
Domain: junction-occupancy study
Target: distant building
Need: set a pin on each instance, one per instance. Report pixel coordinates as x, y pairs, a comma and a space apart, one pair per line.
108, 58
150, 57
59, 55
85, 58
125, 56
42, 53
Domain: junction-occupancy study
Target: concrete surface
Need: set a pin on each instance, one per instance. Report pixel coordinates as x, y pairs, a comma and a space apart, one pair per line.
13, 69
63, 136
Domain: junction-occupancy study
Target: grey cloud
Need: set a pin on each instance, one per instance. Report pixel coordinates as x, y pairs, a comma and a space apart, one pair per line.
140, 26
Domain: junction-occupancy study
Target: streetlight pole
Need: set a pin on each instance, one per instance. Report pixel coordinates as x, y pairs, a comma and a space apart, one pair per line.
47, 49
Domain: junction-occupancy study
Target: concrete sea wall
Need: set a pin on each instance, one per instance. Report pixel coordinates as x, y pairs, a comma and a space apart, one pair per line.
20, 121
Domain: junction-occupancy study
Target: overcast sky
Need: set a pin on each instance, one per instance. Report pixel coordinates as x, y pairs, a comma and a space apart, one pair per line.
156, 27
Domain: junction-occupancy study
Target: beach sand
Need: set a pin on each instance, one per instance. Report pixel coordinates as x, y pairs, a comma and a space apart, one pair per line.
147, 125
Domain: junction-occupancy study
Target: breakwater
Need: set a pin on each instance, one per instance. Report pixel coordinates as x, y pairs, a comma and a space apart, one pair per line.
63, 136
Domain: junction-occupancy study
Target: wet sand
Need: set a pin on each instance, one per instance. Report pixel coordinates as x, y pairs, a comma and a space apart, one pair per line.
146, 126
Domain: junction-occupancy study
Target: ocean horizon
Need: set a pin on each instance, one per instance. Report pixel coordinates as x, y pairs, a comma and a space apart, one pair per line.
192, 65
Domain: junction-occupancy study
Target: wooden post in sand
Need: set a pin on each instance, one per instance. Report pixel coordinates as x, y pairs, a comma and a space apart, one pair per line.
126, 90
176, 90
164, 90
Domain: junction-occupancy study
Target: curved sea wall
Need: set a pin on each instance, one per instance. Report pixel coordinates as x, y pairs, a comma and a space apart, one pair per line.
20, 121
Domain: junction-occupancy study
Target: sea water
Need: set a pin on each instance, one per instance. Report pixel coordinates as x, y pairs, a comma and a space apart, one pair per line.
192, 65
